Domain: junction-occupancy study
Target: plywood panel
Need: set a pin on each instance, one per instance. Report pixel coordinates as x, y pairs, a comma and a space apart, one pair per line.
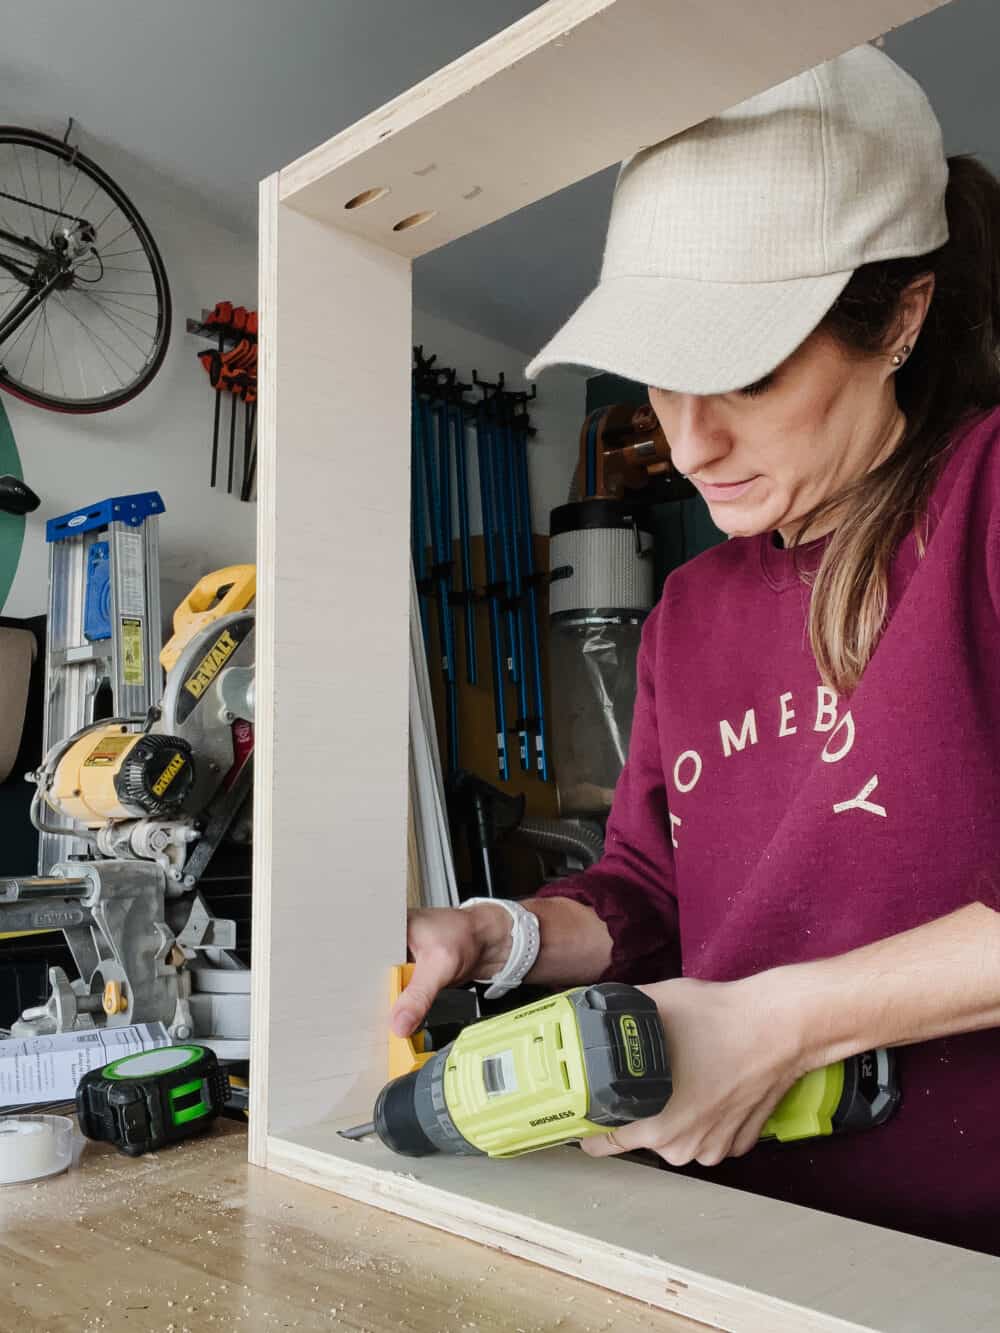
333, 605
574, 87
728, 1259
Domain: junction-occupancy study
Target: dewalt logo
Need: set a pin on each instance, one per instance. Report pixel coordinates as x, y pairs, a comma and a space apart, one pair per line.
211, 664
635, 1056
169, 773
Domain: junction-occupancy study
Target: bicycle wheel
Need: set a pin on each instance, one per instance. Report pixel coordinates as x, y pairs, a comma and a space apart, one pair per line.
84, 298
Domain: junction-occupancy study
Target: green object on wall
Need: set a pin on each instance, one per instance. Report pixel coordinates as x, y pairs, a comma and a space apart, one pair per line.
11, 525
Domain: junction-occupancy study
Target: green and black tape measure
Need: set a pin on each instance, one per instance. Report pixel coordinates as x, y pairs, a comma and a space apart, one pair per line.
143, 1102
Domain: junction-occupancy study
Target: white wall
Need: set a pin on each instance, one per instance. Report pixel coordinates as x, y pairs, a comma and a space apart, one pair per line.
162, 440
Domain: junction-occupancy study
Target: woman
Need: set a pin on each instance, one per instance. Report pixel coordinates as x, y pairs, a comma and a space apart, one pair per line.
803, 858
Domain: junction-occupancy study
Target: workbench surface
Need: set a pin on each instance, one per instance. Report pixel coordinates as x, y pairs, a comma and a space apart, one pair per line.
193, 1239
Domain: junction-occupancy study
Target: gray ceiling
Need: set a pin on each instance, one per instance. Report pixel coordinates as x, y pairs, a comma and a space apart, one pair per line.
216, 94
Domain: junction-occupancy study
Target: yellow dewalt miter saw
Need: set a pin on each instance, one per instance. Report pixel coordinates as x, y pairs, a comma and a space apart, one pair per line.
152, 798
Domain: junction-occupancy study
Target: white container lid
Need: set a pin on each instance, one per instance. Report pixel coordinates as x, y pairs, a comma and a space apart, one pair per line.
34, 1146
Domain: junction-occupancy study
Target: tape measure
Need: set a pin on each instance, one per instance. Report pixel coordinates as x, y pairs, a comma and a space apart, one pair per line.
142, 1102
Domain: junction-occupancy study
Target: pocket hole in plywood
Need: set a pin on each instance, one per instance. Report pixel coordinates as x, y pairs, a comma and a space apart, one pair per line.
367, 197
415, 220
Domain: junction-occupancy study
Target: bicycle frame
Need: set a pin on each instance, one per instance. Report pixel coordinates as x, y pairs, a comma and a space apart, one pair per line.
36, 292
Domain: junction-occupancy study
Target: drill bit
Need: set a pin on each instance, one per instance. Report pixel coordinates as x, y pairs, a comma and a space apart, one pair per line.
359, 1131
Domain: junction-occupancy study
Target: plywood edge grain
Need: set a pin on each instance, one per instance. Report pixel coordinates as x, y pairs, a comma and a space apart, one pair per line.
517, 118
545, 25
267, 464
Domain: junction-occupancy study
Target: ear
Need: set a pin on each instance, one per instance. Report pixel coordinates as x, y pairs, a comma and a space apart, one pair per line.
914, 302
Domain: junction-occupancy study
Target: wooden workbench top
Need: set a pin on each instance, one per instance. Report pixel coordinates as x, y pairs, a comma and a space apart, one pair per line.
193, 1239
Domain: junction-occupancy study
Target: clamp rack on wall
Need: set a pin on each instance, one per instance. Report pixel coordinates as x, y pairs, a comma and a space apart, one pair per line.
231, 366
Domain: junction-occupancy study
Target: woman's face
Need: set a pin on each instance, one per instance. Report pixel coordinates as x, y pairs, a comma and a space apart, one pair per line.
765, 455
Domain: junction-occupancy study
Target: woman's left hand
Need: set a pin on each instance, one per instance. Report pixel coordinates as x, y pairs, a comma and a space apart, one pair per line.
734, 1050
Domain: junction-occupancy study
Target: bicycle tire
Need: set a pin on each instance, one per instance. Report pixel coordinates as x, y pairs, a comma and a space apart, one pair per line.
27, 138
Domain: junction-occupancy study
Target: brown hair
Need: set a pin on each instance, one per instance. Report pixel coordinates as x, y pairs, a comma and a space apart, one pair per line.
953, 372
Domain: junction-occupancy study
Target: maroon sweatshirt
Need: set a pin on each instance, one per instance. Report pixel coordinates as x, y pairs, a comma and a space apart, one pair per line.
762, 820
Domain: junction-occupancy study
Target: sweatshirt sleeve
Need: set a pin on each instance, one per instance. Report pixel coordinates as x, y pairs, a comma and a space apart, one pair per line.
632, 887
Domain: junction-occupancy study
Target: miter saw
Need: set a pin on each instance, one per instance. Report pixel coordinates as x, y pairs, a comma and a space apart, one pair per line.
152, 798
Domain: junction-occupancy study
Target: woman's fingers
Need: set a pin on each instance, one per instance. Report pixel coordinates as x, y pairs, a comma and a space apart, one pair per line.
679, 1143
433, 970
749, 1135
624, 1138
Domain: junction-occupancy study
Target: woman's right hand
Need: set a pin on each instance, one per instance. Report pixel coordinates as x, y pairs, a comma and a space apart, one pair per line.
449, 946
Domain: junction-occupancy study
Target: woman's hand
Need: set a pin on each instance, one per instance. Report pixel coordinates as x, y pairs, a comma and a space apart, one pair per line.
449, 947
734, 1050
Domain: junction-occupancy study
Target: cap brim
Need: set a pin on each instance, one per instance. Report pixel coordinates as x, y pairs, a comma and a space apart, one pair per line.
691, 337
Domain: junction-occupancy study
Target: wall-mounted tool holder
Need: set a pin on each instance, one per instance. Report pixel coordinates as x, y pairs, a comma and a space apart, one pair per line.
231, 366
442, 414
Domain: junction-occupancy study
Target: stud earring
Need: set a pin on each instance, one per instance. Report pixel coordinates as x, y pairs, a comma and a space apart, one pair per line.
897, 359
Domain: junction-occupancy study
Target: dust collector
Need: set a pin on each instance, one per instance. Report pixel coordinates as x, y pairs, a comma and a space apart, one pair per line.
601, 557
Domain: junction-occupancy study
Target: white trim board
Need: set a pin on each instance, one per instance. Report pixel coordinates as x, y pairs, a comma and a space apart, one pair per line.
572, 88
725, 1258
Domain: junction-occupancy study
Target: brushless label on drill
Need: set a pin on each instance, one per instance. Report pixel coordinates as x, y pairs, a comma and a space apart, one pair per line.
199, 679
133, 671
635, 1056
499, 1074
108, 751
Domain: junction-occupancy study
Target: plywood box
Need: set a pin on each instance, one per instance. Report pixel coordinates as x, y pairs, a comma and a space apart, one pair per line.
574, 87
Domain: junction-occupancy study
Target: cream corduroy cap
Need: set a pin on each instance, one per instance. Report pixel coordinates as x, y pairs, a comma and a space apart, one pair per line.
729, 243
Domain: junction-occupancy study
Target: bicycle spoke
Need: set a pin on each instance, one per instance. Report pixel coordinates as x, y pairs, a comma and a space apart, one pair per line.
64, 202
38, 173
24, 187
114, 291
113, 209
31, 345
84, 327
99, 296
90, 197
120, 235
114, 319
3, 219
59, 183
55, 355
5, 351
133, 370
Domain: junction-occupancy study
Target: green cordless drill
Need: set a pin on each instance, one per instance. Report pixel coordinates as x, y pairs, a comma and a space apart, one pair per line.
581, 1063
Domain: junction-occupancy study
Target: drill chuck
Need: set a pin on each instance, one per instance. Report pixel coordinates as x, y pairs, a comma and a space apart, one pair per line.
412, 1116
